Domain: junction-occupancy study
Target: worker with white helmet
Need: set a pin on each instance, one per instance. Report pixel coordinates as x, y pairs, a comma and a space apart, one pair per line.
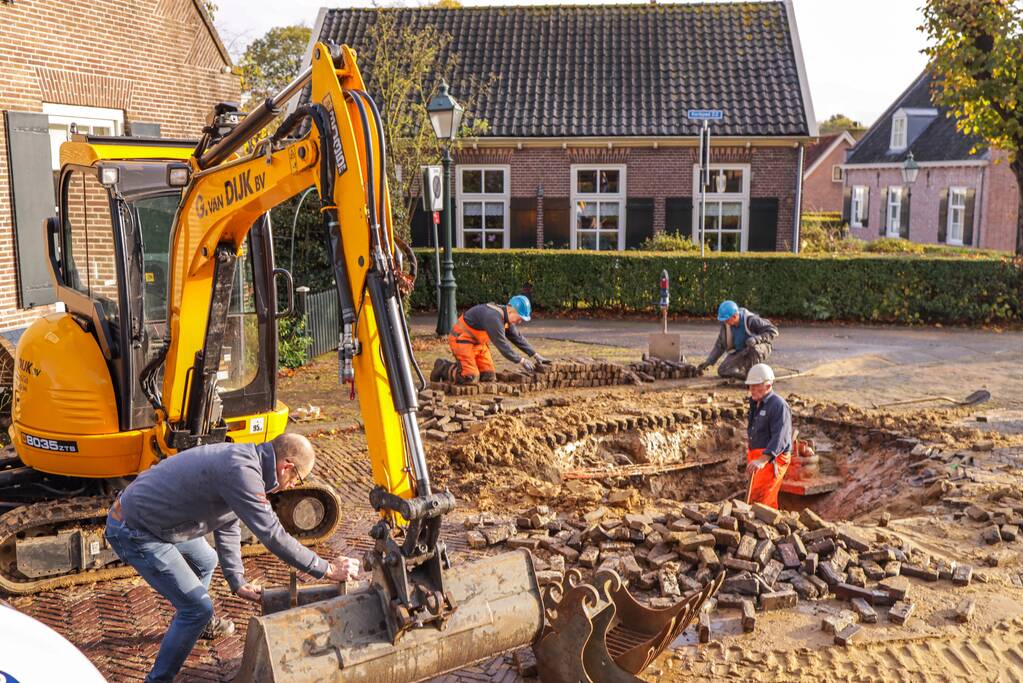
769, 434
745, 337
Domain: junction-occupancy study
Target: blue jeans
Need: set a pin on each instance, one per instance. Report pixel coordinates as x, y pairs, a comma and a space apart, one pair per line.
180, 572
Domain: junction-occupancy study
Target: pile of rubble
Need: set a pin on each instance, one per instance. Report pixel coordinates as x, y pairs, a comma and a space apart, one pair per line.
771, 559
438, 418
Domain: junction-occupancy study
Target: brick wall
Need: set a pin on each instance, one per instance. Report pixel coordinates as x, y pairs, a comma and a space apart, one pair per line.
154, 59
820, 192
650, 173
994, 212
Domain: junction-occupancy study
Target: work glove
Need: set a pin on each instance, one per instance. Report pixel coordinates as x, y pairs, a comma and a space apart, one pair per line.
527, 365
537, 358
751, 342
702, 367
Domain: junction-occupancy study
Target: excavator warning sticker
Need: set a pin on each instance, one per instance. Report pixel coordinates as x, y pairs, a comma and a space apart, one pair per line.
55, 445
335, 134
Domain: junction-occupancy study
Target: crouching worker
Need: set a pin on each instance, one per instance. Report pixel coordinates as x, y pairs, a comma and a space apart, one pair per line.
745, 337
158, 523
470, 342
769, 430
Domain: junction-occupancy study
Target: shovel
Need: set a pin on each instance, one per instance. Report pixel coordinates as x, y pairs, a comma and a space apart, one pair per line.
976, 398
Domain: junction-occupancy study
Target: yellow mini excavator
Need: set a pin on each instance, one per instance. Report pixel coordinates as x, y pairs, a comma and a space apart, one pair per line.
162, 259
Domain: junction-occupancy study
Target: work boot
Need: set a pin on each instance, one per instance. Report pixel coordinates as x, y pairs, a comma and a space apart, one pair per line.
440, 370
216, 628
488, 376
467, 379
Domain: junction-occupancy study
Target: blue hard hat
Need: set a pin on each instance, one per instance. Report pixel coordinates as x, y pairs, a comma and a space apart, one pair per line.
522, 306
726, 310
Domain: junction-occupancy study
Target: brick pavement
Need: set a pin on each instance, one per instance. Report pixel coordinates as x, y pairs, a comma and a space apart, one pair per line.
118, 624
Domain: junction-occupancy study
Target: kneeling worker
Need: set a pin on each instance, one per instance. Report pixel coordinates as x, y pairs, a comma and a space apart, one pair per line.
745, 336
158, 523
769, 431
470, 342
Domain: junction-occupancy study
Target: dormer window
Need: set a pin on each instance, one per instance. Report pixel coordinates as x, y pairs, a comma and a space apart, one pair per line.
899, 131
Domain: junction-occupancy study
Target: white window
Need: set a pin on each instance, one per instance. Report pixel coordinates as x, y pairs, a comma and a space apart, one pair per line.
894, 212
956, 214
899, 130
858, 206
85, 120
837, 174
483, 213
725, 227
598, 195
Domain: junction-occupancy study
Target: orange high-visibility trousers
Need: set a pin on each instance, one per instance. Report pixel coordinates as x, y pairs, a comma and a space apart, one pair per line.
471, 349
767, 482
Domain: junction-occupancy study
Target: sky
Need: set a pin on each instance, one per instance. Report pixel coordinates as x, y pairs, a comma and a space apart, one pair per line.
860, 54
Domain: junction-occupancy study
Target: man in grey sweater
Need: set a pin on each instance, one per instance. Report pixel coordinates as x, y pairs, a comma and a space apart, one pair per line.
159, 522
745, 339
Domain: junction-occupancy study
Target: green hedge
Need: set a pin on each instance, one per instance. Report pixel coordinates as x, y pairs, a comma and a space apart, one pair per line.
881, 288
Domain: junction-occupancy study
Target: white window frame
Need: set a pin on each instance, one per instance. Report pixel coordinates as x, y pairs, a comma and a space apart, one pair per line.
953, 206
714, 196
606, 197
900, 131
503, 198
87, 119
858, 205
837, 173
893, 219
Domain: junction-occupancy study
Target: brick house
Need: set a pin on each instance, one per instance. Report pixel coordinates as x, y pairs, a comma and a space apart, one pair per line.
106, 67
589, 146
961, 196
823, 175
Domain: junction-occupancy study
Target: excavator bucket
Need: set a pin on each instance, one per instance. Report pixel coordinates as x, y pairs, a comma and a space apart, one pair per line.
599, 632
498, 608
586, 633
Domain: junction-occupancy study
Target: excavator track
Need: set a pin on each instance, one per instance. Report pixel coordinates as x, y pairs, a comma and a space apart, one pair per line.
311, 513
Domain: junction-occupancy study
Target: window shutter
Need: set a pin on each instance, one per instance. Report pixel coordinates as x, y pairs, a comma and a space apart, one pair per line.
971, 198
557, 221
884, 213
422, 227
639, 221
33, 201
763, 224
904, 215
943, 217
523, 223
678, 216
866, 208
847, 206
140, 129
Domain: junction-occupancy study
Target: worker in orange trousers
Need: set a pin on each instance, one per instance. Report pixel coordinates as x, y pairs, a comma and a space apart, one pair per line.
769, 433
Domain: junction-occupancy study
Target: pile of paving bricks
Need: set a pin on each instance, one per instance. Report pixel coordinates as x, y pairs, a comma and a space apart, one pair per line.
612, 424
439, 418
571, 373
771, 559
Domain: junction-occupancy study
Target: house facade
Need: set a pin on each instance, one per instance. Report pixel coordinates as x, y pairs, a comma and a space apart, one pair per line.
106, 67
824, 177
589, 145
963, 194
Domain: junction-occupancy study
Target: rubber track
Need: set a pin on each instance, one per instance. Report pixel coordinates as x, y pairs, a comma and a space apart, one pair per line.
94, 509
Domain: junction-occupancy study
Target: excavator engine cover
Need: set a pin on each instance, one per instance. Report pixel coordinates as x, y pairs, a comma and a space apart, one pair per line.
498, 608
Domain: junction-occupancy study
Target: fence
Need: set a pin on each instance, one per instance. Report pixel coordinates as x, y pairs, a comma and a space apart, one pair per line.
322, 321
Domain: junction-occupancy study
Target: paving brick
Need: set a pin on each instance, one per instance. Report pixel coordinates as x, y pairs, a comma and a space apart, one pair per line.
778, 600
747, 544
864, 611
901, 611
847, 635
789, 557
965, 609
896, 586
918, 572
962, 575
749, 617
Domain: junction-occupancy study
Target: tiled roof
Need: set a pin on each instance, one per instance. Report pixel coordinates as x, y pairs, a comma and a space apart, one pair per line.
614, 70
940, 141
814, 151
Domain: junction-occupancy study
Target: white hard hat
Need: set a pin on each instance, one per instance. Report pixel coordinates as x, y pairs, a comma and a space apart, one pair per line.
760, 373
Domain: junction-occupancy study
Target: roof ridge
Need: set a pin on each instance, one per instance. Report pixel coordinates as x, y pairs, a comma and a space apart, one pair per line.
874, 129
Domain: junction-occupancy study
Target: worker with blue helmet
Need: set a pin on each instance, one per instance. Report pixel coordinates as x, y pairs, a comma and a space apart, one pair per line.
745, 339
471, 337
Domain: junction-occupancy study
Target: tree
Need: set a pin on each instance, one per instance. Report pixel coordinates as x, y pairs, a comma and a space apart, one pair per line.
211, 8
838, 123
403, 65
976, 52
271, 62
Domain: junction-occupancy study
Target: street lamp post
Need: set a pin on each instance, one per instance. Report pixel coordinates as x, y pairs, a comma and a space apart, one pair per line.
446, 117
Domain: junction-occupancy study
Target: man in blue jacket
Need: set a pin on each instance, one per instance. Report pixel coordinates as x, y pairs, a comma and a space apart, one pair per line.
158, 523
745, 337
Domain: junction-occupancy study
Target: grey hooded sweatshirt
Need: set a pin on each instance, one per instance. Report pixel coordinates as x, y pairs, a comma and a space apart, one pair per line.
760, 330
209, 488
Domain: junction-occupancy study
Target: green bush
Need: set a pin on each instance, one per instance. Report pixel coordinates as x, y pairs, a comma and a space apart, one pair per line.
881, 288
893, 245
668, 241
293, 341
821, 232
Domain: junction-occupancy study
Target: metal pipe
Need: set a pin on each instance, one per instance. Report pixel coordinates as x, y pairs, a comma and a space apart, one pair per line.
253, 122
799, 201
